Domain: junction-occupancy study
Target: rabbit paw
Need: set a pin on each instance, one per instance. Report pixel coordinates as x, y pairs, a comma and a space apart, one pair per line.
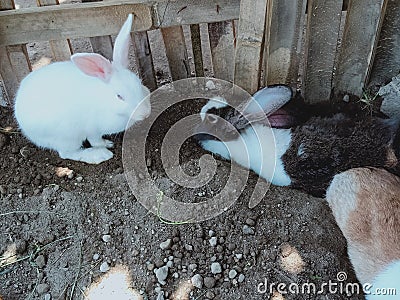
100, 143
89, 155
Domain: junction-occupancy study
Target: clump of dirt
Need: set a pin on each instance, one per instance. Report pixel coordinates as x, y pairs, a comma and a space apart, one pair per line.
68, 231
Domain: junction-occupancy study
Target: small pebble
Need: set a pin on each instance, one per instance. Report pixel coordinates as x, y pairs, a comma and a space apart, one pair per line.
96, 256
213, 241
104, 267
216, 268
106, 238
150, 267
166, 244
40, 261
79, 179
210, 295
248, 230
42, 288
209, 282
47, 297
241, 278
250, 222
232, 274
161, 274
197, 281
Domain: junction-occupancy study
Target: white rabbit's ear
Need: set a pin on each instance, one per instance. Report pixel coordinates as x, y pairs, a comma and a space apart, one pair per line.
93, 64
121, 46
270, 99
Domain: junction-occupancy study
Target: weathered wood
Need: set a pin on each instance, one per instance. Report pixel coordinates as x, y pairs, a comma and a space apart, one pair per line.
101, 44
323, 24
14, 61
175, 49
10, 79
360, 37
186, 12
250, 44
222, 39
196, 48
387, 59
144, 59
283, 42
61, 49
70, 21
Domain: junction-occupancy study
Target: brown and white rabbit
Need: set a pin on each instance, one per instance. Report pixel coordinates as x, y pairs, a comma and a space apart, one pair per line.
305, 155
61, 105
366, 206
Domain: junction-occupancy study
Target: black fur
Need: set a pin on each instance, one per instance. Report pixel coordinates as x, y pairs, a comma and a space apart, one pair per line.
334, 144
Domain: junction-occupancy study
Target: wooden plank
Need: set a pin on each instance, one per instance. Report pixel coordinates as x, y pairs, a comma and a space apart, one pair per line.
61, 49
323, 24
10, 79
175, 49
101, 44
387, 59
284, 42
14, 61
144, 59
360, 37
222, 39
186, 12
58, 22
196, 48
250, 44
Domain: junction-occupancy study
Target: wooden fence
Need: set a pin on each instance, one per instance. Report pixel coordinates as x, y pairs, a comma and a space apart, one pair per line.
335, 45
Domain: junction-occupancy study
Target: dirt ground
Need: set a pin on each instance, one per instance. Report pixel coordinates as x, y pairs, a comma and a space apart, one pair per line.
58, 235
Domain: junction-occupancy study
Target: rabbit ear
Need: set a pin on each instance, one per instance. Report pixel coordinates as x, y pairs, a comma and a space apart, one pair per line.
121, 46
93, 64
270, 99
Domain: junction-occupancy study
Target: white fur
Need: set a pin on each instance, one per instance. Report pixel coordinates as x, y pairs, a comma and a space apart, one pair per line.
59, 106
389, 278
260, 149
216, 102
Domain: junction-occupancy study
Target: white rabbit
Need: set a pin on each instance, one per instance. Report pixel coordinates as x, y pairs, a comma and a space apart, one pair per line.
305, 155
366, 205
61, 105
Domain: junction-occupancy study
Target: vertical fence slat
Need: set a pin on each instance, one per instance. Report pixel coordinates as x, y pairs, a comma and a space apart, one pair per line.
323, 24
144, 59
282, 61
15, 64
196, 48
250, 41
222, 44
360, 36
387, 58
101, 44
60, 49
175, 49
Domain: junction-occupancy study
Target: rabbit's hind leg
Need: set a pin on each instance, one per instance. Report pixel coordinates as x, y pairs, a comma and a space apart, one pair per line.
88, 155
99, 142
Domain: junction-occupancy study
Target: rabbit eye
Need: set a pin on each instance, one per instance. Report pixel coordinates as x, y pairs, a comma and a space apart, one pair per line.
120, 97
212, 119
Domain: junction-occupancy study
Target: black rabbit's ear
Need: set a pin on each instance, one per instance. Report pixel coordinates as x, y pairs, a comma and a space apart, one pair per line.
270, 99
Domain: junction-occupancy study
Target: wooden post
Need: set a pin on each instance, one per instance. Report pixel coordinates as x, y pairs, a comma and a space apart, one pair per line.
222, 44
250, 44
360, 37
323, 24
283, 42
61, 49
196, 48
144, 59
14, 61
387, 58
175, 49
101, 44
